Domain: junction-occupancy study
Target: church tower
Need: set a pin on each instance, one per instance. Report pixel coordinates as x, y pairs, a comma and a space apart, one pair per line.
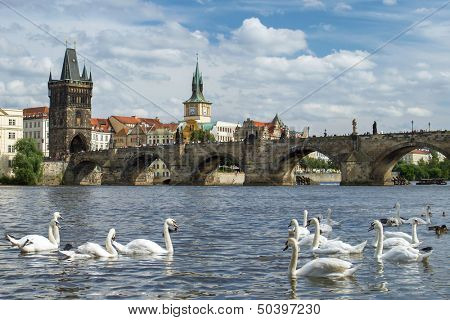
197, 108
70, 109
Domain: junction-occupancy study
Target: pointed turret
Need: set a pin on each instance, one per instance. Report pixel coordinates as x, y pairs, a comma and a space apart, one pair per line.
50, 76
197, 86
277, 120
84, 76
70, 69
90, 76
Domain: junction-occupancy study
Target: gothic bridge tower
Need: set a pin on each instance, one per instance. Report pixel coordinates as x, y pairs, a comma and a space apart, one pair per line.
70, 109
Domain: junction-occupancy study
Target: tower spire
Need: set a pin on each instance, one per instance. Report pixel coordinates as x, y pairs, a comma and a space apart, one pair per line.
84, 76
70, 69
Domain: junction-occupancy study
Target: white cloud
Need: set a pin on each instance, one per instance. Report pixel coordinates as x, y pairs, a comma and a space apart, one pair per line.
342, 7
313, 4
424, 75
253, 70
419, 112
390, 2
254, 37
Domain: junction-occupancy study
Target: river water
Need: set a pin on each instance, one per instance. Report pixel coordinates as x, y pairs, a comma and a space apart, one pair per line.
229, 245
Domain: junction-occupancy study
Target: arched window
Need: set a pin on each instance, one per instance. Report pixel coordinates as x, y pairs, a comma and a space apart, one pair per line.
78, 118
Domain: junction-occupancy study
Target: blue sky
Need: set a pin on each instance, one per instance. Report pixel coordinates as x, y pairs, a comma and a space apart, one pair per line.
257, 57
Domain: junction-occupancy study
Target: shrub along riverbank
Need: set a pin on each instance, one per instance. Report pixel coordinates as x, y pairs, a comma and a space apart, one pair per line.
424, 170
27, 164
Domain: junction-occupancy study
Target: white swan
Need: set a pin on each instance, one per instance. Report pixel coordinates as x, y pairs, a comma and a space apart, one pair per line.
412, 241
37, 243
318, 268
334, 247
410, 238
330, 221
399, 254
142, 246
302, 231
93, 250
306, 240
420, 220
394, 221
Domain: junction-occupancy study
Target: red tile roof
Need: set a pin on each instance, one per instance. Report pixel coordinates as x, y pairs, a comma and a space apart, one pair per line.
99, 124
127, 120
36, 113
261, 124
420, 151
170, 126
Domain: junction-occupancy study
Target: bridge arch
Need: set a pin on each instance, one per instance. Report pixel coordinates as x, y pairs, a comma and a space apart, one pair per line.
287, 163
208, 165
146, 169
382, 167
78, 144
86, 172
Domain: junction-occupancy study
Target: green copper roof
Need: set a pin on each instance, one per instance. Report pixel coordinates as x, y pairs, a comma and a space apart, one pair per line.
197, 87
207, 126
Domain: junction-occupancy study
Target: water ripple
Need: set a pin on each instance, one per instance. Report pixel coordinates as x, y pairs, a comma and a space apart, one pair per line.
229, 245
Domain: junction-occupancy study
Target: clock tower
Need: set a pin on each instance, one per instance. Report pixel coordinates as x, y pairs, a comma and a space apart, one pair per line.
197, 108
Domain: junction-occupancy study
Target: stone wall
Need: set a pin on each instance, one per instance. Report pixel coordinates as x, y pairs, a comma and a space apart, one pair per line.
225, 178
53, 172
323, 177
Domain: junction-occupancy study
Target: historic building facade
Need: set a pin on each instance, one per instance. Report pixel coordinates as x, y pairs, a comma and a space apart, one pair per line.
101, 138
224, 131
256, 130
11, 130
70, 109
35, 126
163, 133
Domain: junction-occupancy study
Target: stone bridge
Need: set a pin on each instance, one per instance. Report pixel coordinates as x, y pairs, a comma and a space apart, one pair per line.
363, 159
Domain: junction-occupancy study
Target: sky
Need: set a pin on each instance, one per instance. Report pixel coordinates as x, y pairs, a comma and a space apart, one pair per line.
257, 57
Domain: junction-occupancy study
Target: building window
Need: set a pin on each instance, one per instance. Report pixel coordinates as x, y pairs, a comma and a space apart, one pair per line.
12, 122
78, 118
11, 135
10, 163
11, 149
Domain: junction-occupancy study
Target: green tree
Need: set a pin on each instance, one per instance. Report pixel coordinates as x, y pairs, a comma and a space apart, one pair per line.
202, 136
311, 163
27, 164
434, 168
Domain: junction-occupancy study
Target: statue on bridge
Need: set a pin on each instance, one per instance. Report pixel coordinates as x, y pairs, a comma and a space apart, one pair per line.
354, 127
374, 128
178, 137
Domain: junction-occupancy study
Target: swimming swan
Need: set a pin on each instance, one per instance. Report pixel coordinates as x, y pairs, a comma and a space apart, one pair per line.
37, 243
93, 250
305, 240
399, 254
333, 247
301, 231
330, 221
420, 220
394, 221
410, 238
142, 246
402, 239
319, 268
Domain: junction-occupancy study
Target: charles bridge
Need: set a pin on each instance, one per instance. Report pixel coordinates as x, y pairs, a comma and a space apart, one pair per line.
363, 159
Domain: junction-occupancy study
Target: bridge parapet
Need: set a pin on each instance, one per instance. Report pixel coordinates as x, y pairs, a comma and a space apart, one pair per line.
363, 159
